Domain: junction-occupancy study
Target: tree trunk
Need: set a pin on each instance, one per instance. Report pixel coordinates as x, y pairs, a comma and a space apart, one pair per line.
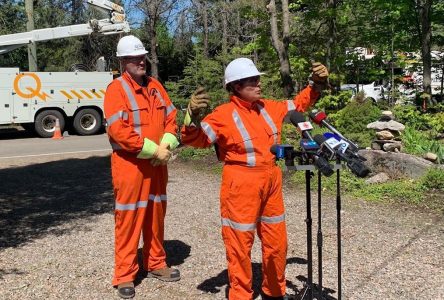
281, 46
204, 12
331, 42
32, 49
442, 79
426, 36
152, 24
76, 10
224, 29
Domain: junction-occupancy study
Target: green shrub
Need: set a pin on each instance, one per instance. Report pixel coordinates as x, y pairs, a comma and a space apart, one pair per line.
410, 115
433, 179
436, 122
418, 143
352, 121
331, 103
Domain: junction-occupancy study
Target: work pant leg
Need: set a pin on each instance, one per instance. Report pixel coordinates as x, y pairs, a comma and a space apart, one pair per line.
239, 211
130, 207
154, 256
273, 234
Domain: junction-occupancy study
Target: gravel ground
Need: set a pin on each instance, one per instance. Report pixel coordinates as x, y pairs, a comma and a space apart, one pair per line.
56, 238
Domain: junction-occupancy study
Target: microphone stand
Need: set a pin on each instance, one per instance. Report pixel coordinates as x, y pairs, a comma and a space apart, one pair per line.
338, 227
319, 239
307, 291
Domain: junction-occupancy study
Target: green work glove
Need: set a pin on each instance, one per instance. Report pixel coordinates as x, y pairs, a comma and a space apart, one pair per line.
170, 139
159, 154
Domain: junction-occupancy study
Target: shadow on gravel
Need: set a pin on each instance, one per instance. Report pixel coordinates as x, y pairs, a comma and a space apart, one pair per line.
214, 285
176, 253
36, 198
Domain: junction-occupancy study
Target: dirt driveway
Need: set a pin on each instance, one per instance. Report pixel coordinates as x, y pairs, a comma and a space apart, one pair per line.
56, 238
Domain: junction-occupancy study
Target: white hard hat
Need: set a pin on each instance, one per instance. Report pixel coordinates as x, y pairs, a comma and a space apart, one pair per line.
240, 68
130, 46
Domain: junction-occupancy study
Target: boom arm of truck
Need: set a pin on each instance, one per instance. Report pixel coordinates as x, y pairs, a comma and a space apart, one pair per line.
114, 24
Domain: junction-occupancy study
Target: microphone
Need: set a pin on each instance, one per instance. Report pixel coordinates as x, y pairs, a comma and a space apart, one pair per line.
308, 145
285, 152
281, 151
331, 147
298, 120
320, 118
327, 146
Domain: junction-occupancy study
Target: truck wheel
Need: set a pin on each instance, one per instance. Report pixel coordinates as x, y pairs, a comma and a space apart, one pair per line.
87, 122
45, 122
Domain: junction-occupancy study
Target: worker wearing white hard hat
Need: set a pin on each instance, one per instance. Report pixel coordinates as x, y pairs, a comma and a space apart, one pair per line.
240, 68
244, 129
141, 121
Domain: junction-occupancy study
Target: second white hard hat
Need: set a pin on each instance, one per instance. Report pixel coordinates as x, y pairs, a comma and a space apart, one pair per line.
130, 46
240, 68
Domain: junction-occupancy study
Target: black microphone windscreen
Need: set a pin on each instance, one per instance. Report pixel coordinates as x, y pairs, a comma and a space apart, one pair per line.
312, 114
319, 138
273, 149
296, 117
323, 166
358, 168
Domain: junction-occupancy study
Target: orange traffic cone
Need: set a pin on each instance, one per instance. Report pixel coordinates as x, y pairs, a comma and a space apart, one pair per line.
57, 133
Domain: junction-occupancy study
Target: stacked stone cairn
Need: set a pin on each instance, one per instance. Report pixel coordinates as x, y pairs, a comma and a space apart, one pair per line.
388, 133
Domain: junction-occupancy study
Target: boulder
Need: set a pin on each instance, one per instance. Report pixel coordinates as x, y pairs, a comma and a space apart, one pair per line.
396, 165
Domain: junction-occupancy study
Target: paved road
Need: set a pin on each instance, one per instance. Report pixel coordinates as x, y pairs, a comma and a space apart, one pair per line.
20, 146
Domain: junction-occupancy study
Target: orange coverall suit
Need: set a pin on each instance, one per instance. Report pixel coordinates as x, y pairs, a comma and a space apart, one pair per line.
251, 190
134, 113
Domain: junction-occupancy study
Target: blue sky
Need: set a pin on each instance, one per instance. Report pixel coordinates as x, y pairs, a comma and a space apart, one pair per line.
135, 16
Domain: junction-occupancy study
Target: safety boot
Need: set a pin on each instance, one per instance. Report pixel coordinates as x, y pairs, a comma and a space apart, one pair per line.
165, 274
126, 290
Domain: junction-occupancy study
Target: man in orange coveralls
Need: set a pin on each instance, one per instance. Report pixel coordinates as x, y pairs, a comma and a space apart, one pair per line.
142, 132
251, 192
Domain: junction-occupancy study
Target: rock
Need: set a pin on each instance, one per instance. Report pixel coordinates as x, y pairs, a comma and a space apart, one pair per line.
387, 113
391, 125
431, 156
378, 178
376, 146
385, 118
396, 165
389, 147
384, 135
382, 142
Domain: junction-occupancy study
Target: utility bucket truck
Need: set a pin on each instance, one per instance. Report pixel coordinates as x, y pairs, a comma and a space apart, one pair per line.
36, 99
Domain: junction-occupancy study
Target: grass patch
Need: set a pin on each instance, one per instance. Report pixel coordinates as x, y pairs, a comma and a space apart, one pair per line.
401, 190
190, 153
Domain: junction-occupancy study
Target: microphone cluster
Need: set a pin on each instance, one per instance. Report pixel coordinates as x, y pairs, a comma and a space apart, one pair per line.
320, 149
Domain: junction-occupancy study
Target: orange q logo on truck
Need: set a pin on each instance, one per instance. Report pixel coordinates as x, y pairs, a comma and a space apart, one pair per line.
33, 91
